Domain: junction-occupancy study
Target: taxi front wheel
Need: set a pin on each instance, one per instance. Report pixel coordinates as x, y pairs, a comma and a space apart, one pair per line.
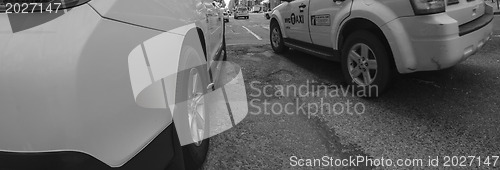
366, 64
277, 39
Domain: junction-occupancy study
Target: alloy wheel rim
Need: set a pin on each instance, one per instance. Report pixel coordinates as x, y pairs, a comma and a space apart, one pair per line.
275, 37
362, 64
196, 107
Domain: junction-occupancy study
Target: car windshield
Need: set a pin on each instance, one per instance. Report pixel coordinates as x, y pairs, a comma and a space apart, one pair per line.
242, 9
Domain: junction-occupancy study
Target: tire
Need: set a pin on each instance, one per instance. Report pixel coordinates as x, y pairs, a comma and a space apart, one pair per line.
194, 154
276, 39
364, 55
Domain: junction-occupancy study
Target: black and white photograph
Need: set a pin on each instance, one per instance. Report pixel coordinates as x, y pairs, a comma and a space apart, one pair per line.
249, 84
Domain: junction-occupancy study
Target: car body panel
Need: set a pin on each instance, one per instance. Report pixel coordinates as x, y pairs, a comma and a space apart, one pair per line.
168, 15
297, 20
378, 12
466, 10
427, 43
66, 87
337, 13
162, 15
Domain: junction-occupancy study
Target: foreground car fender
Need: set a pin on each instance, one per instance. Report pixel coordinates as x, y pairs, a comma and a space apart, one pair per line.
161, 15
71, 90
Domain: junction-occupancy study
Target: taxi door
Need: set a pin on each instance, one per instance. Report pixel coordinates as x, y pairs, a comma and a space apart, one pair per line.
296, 20
325, 19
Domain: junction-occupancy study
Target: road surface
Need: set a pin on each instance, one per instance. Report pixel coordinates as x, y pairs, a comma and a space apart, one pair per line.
441, 117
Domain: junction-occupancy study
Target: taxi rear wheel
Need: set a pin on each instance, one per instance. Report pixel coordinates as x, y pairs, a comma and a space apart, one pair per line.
276, 38
366, 63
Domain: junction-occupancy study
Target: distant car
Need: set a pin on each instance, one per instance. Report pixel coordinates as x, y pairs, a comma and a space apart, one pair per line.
268, 14
241, 12
256, 9
226, 16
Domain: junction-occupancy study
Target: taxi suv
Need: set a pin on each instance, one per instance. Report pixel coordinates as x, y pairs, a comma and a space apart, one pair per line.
375, 38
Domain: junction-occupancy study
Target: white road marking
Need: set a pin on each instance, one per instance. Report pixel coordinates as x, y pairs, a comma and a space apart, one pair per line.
496, 36
255, 35
265, 27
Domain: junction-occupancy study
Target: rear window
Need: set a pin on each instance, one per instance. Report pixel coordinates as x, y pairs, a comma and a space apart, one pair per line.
242, 9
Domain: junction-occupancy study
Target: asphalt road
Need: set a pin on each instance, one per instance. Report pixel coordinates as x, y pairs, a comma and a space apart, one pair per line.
423, 116
257, 33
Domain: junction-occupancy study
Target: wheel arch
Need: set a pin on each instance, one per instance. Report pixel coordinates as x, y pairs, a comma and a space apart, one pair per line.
276, 17
191, 33
201, 36
193, 36
378, 14
354, 24
164, 53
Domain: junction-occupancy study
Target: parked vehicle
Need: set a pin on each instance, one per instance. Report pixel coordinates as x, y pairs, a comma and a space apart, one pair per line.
374, 39
106, 84
226, 16
267, 14
256, 9
241, 12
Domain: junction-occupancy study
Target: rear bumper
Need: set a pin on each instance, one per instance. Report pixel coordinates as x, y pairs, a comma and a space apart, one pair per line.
434, 42
241, 15
475, 25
